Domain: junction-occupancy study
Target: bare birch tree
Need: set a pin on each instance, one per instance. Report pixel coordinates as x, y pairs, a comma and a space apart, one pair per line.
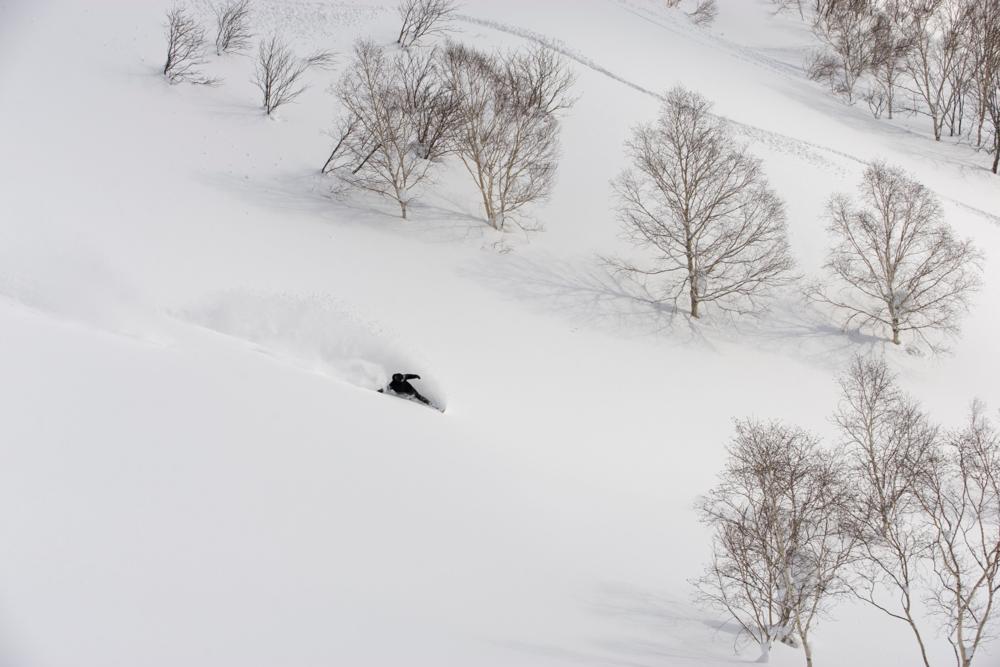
379, 147
890, 444
279, 73
703, 207
422, 18
508, 127
983, 43
935, 33
961, 497
846, 29
986, 17
232, 26
890, 46
185, 48
993, 111
896, 263
779, 548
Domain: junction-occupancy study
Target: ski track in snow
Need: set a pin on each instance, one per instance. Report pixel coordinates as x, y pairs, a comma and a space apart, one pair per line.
690, 32
780, 142
805, 150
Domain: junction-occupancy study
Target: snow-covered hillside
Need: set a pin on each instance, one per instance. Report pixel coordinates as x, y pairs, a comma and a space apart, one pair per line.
194, 469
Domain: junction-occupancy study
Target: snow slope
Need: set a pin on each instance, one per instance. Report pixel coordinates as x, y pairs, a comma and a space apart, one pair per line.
192, 468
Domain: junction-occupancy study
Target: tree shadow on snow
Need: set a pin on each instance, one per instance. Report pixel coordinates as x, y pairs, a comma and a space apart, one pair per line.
793, 326
586, 292
318, 197
589, 294
647, 630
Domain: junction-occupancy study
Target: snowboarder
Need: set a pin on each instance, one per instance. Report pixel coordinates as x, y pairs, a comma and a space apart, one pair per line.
401, 386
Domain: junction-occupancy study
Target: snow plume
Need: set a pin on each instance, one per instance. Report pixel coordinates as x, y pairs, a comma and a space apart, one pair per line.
317, 333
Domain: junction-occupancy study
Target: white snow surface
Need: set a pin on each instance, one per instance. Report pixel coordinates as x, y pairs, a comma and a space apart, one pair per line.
194, 469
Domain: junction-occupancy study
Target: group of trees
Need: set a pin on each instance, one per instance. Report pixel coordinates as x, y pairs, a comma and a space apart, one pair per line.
938, 58
694, 198
498, 114
278, 72
700, 204
186, 44
901, 514
404, 112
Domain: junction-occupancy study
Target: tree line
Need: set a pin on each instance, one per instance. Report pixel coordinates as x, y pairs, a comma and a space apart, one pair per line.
936, 58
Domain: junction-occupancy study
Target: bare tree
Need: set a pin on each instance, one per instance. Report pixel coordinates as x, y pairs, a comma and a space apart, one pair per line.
703, 207
925, 508
961, 497
846, 28
422, 18
185, 48
508, 128
232, 26
962, 75
378, 148
279, 72
779, 548
993, 110
935, 33
896, 263
983, 44
890, 46
890, 444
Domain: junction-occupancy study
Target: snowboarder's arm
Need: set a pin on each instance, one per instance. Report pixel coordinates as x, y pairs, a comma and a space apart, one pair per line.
411, 376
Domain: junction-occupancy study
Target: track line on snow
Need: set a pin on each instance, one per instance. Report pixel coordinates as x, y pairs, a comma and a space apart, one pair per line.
557, 46
774, 139
780, 142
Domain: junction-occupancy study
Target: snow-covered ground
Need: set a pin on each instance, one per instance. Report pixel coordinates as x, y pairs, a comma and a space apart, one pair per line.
193, 468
